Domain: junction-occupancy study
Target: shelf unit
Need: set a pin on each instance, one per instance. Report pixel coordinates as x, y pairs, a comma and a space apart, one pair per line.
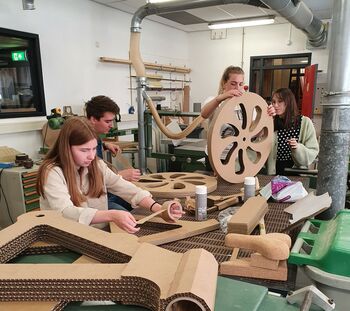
18, 193
176, 81
153, 66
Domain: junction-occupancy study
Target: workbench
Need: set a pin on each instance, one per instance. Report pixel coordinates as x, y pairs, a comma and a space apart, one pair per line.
275, 221
232, 293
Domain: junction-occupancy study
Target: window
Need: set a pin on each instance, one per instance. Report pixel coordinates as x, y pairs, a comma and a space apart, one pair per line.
268, 73
21, 83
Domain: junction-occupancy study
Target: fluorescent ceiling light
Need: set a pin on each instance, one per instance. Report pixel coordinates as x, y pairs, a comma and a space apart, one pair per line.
243, 22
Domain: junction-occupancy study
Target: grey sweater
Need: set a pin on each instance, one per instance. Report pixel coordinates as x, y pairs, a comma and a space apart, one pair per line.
304, 154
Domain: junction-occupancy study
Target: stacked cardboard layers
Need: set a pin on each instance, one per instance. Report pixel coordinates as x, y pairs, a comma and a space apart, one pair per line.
248, 216
133, 273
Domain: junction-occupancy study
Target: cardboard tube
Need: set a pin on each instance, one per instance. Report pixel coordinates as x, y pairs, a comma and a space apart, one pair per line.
137, 63
165, 213
135, 56
188, 130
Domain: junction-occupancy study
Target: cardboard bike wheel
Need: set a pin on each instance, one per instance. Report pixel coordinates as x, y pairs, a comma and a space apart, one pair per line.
175, 184
240, 137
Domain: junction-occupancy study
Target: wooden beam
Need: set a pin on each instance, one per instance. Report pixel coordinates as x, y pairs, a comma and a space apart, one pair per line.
153, 66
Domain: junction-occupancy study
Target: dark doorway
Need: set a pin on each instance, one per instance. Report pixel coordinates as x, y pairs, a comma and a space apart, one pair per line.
268, 73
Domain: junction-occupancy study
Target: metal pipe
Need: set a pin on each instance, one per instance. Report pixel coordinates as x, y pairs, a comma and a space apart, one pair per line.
166, 7
136, 59
298, 14
141, 85
335, 130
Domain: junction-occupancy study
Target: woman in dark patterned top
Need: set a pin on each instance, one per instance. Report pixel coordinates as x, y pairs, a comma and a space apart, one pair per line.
295, 143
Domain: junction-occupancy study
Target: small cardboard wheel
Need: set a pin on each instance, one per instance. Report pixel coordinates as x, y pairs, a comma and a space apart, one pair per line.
167, 216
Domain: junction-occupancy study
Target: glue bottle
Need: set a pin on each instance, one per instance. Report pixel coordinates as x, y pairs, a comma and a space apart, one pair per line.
249, 187
201, 203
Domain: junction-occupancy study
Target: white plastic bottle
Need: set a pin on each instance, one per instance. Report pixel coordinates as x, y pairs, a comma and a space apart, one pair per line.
201, 203
249, 187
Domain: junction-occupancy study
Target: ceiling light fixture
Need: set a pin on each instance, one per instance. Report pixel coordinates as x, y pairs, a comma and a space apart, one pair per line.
243, 22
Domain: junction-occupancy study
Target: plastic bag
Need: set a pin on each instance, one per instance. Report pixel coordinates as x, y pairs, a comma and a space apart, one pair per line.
291, 193
282, 189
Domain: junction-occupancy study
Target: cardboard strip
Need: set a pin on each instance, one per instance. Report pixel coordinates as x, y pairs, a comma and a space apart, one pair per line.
149, 217
181, 230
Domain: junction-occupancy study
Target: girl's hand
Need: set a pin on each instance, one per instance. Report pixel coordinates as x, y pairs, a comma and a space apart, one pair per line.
114, 149
124, 220
293, 143
176, 210
271, 111
130, 174
230, 94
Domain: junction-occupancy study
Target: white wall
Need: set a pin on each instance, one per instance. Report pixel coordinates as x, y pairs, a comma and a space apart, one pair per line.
209, 58
73, 35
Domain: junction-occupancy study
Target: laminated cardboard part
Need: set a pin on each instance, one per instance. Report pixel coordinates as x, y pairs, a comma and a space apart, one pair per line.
132, 272
258, 260
42, 305
272, 245
269, 261
182, 229
175, 184
243, 267
308, 206
248, 216
243, 151
32, 305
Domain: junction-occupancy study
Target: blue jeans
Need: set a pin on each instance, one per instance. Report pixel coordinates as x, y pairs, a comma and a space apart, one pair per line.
117, 203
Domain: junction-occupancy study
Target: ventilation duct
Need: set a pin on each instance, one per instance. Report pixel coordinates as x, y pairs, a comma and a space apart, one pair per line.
294, 11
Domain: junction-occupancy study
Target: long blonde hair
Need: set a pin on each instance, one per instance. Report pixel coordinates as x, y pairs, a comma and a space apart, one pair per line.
226, 76
75, 131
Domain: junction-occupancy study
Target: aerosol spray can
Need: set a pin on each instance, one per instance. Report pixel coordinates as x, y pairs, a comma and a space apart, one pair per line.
249, 187
201, 203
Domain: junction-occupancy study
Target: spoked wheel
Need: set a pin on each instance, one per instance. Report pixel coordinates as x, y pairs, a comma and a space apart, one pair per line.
240, 137
175, 185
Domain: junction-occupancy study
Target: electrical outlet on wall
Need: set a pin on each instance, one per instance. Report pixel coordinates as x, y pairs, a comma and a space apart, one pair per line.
218, 34
321, 89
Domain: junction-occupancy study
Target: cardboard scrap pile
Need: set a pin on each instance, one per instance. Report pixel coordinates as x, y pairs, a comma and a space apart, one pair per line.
133, 273
8, 154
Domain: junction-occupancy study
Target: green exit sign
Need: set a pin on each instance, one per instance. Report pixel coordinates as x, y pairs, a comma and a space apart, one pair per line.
19, 56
